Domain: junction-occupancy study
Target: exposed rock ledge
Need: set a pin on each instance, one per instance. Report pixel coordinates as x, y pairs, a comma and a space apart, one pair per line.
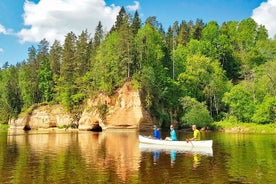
122, 110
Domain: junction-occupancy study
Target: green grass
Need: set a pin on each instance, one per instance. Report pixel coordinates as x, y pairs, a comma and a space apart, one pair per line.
4, 126
237, 127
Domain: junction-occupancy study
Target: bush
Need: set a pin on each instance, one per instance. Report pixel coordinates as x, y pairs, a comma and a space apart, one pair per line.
196, 113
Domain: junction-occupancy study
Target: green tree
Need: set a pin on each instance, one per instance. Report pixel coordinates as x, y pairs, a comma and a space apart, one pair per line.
184, 35
82, 54
10, 98
266, 78
151, 73
204, 79
120, 19
246, 34
55, 60
211, 32
28, 79
65, 88
42, 55
241, 103
195, 113
135, 26
45, 79
229, 61
108, 71
197, 29
265, 111
136, 23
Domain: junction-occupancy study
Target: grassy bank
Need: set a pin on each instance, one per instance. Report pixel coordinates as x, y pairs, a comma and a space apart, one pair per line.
3, 127
245, 127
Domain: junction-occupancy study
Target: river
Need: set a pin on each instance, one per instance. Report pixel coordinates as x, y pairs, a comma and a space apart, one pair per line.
115, 157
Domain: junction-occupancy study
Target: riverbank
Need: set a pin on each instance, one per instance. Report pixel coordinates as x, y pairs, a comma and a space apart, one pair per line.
230, 127
222, 126
4, 127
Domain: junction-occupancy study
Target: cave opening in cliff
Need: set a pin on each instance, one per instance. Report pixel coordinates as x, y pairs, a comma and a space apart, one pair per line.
96, 127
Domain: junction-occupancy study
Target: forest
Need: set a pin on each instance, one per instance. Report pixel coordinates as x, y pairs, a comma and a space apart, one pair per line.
192, 73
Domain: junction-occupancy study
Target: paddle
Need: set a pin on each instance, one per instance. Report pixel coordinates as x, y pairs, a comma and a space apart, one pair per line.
188, 140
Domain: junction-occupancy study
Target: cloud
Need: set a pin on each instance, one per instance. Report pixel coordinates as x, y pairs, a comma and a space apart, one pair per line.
2, 29
134, 7
265, 14
1, 50
53, 19
5, 31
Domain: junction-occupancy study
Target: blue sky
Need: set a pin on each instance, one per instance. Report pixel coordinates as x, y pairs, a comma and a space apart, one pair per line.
24, 23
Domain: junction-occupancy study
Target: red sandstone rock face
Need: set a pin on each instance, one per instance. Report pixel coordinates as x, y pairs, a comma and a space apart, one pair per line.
124, 110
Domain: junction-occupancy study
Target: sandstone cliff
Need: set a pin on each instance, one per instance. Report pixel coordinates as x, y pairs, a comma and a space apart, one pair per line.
121, 110
43, 116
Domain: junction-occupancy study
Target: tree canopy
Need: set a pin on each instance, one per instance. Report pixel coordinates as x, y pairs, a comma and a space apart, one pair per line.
192, 73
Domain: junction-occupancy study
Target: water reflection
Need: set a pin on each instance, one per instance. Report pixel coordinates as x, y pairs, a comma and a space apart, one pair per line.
173, 157
155, 157
117, 157
193, 154
196, 162
95, 152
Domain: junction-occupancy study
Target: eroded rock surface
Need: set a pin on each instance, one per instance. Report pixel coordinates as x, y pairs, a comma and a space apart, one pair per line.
121, 110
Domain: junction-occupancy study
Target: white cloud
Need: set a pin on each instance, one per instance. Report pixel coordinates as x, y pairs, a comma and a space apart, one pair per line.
1, 50
265, 14
53, 19
5, 31
2, 29
134, 7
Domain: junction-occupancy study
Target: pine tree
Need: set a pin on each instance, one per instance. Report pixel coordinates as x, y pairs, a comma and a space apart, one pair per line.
55, 59
45, 79
136, 23
66, 86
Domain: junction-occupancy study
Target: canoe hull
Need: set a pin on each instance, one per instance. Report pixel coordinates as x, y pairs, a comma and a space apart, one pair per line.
196, 144
153, 145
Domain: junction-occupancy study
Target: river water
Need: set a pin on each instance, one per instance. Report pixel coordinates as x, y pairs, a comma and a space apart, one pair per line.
116, 157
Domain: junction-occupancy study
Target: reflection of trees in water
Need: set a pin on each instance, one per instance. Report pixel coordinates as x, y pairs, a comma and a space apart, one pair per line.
99, 153
114, 150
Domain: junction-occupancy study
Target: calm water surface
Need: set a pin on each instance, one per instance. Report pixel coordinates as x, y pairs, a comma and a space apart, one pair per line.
116, 157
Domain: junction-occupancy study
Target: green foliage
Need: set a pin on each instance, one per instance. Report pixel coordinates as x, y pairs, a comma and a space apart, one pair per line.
45, 80
26, 88
229, 69
195, 113
211, 32
10, 99
3, 126
55, 59
241, 102
237, 127
265, 111
5, 112
109, 71
204, 79
103, 110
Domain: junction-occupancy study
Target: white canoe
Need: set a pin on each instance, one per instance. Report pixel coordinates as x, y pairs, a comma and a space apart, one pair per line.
196, 144
201, 147
144, 147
